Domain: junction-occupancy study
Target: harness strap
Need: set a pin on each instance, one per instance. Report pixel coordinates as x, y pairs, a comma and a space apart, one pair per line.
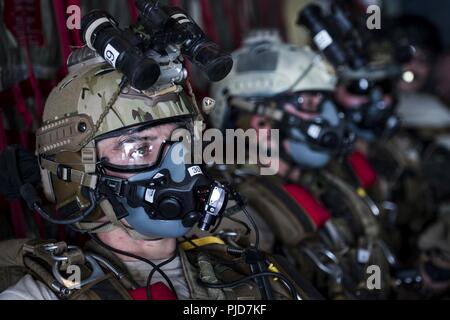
49, 251
105, 288
201, 242
305, 290
210, 270
113, 260
215, 264
207, 275
42, 274
363, 214
41, 258
68, 174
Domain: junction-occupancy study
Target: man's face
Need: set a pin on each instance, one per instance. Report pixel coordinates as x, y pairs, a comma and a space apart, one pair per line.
135, 148
306, 106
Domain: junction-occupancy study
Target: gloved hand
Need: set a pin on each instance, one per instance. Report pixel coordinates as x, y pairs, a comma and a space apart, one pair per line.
17, 167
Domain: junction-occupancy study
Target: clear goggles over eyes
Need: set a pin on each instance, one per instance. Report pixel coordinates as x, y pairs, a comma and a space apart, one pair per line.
139, 151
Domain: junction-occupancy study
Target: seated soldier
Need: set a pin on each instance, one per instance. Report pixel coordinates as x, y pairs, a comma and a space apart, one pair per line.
112, 162
279, 86
389, 167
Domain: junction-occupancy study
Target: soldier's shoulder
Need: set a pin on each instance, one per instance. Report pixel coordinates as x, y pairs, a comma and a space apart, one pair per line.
28, 289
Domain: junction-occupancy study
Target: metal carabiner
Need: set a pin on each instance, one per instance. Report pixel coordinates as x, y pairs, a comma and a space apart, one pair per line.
58, 258
227, 234
331, 231
119, 274
97, 272
229, 237
372, 206
389, 255
331, 268
51, 249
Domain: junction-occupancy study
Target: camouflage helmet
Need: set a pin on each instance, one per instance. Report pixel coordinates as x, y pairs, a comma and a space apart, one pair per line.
78, 109
91, 103
265, 67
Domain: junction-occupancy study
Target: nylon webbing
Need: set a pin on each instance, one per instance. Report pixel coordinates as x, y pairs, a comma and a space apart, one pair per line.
201, 242
83, 178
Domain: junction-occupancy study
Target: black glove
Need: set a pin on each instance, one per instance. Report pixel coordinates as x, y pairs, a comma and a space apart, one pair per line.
17, 167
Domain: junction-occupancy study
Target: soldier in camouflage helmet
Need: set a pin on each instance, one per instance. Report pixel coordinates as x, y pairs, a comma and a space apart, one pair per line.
113, 161
74, 130
277, 85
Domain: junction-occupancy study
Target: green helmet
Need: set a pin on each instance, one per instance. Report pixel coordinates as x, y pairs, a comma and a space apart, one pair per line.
94, 102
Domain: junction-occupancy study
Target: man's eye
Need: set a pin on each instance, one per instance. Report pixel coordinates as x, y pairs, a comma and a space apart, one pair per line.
140, 152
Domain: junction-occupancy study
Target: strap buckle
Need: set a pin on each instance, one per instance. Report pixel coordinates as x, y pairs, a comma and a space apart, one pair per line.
64, 173
326, 261
77, 283
114, 184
